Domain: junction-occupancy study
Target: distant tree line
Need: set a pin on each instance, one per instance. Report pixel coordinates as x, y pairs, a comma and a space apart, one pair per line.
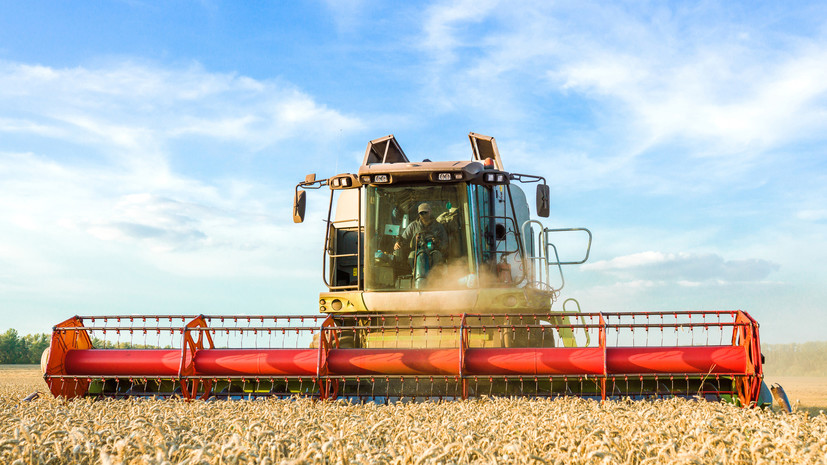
28, 349
799, 359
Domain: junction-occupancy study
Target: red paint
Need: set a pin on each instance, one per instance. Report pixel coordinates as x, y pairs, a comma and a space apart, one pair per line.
123, 362
497, 362
702, 359
256, 362
535, 361
394, 361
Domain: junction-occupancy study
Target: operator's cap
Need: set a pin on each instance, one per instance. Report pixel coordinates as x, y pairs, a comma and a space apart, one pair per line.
424, 207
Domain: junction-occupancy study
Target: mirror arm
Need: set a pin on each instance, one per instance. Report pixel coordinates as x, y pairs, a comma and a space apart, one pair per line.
526, 178
315, 184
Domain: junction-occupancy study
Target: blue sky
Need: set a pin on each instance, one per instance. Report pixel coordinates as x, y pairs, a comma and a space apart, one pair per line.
148, 150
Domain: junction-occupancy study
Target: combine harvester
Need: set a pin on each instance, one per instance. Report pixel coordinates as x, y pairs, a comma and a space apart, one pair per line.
440, 285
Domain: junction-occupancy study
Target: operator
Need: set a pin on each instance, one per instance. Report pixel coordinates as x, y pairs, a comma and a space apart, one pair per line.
422, 229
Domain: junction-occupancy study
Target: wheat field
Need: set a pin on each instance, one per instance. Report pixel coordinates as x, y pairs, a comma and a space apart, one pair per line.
562, 431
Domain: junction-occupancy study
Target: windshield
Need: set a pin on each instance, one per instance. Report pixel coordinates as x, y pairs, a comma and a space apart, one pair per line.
417, 238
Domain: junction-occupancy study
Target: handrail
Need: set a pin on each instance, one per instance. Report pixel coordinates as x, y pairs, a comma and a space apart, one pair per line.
327, 254
532, 258
541, 275
582, 318
588, 247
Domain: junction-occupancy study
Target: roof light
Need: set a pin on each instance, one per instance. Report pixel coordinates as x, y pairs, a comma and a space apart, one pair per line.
488, 163
344, 181
365, 179
443, 176
380, 178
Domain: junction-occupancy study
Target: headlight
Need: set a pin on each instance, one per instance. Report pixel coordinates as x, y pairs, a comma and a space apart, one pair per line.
344, 181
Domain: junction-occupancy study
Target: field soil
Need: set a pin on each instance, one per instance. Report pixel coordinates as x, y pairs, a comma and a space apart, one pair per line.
808, 393
22, 378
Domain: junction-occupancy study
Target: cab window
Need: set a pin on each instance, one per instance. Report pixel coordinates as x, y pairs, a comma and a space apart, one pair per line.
391, 259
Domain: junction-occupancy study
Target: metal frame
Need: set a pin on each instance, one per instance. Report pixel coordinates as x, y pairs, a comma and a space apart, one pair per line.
543, 272
730, 366
333, 257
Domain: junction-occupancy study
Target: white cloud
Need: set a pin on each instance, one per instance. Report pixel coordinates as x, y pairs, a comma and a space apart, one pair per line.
812, 215
445, 25
709, 92
684, 269
629, 261
194, 229
728, 96
136, 108
121, 200
348, 15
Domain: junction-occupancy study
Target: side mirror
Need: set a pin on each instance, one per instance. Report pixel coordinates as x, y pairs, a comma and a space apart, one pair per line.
299, 204
543, 200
